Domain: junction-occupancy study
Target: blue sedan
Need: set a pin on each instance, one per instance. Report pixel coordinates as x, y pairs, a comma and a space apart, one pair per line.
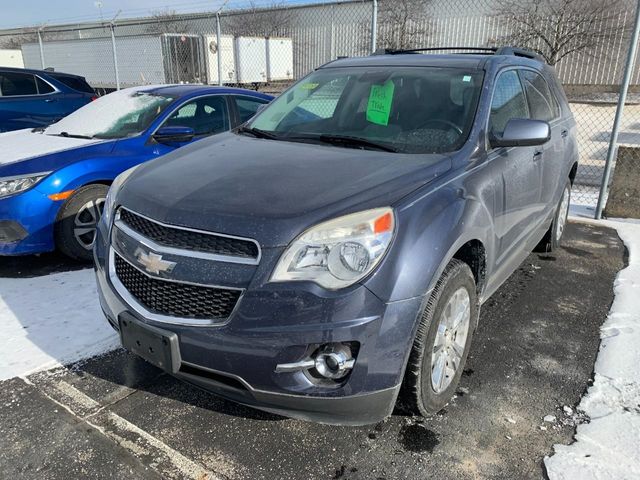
36, 98
53, 181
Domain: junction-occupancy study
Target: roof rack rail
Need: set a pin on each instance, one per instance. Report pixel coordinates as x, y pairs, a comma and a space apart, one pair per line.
514, 51
520, 52
392, 51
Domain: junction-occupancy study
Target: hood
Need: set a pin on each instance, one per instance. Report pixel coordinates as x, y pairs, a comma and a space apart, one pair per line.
271, 190
26, 151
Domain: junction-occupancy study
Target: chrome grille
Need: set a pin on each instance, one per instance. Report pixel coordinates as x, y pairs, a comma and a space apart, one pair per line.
190, 240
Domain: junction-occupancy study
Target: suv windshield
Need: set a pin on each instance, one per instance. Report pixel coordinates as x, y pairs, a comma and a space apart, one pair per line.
120, 114
408, 109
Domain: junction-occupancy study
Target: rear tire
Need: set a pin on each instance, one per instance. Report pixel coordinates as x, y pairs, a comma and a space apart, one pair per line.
553, 237
442, 342
77, 221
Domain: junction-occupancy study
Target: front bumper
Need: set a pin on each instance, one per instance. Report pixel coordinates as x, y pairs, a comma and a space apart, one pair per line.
277, 323
26, 223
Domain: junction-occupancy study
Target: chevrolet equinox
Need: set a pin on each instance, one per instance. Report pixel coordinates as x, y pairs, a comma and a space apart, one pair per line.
333, 253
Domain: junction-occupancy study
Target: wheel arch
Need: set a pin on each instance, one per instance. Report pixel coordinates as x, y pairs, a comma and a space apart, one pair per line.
573, 172
474, 254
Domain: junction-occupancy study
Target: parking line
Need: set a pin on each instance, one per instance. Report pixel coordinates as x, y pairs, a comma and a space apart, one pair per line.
165, 460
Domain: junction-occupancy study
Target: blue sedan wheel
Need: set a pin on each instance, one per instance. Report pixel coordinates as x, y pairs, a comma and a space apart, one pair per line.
78, 219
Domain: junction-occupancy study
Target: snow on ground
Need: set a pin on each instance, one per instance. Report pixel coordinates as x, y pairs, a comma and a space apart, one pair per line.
608, 447
50, 320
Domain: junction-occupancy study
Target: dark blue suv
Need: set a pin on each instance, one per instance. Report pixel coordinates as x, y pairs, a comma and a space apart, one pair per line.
334, 252
37, 98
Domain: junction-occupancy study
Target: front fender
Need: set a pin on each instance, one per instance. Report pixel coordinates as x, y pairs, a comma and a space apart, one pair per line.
77, 175
430, 231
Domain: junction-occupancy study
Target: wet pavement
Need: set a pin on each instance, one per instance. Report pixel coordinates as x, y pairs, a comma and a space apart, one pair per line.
115, 416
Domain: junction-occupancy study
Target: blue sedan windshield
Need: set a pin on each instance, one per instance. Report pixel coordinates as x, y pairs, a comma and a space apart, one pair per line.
125, 113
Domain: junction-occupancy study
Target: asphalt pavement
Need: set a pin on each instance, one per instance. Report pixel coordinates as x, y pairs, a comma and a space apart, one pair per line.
532, 357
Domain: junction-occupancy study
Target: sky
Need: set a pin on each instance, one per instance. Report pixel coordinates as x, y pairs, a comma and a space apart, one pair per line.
37, 12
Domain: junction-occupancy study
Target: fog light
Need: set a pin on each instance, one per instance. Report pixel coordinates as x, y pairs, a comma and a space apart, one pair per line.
334, 362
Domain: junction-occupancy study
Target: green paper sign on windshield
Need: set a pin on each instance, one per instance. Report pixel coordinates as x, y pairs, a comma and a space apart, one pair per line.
379, 106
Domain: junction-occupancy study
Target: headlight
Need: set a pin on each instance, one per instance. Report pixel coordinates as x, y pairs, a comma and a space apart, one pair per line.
12, 185
338, 253
109, 202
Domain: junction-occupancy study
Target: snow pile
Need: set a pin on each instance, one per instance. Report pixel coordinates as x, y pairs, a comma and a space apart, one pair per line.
51, 320
608, 447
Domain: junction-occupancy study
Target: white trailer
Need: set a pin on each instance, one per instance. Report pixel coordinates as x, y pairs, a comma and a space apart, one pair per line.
11, 58
228, 63
279, 59
251, 59
142, 59
167, 58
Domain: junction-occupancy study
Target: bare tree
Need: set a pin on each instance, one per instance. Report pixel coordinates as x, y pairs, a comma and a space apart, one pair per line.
403, 24
167, 21
28, 35
15, 41
557, 28
273, 20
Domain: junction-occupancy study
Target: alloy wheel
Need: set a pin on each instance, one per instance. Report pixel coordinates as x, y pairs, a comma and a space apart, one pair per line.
562, 213
86, 222
450, 340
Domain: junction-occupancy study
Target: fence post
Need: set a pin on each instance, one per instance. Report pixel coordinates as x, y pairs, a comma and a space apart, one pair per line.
628, 71
115, 55
219, 48
41, 48
374, 26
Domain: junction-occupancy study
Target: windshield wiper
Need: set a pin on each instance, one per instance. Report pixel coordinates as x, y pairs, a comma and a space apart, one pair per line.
70, 135
256, 132
345, 141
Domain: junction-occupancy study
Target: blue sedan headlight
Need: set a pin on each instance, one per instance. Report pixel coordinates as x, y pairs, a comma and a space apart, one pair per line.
12, 185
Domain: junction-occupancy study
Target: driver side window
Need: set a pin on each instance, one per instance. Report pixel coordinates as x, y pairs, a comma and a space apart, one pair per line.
206, 115
508, 102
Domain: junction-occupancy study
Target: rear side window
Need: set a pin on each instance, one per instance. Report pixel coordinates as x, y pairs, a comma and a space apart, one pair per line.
247, 107
542, 105
508, 102
77, 83
16, 84
43, 87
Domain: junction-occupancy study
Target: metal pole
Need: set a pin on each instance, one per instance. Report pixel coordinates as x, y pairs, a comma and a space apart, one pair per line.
41, 48
115, 56
219, 46
332, 43
374, 26
631, 56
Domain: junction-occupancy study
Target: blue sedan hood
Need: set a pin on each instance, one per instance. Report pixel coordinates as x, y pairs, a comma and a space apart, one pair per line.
23, 152
271, 190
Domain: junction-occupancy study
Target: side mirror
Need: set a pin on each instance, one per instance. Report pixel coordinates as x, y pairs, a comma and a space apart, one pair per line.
523, 132
173, 135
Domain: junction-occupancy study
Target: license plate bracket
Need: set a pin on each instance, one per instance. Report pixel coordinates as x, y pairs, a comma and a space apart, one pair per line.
155, 345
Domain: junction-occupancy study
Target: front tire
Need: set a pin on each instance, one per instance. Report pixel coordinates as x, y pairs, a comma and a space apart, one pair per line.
442, 342
77, 221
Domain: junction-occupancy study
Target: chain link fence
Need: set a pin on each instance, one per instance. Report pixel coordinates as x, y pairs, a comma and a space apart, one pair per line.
265, 45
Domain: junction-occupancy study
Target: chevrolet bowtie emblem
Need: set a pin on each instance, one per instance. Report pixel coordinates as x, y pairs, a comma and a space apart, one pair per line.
153, 263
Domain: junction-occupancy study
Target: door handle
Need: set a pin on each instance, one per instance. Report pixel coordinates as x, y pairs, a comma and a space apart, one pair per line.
564, 133
537, 155
49, 100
